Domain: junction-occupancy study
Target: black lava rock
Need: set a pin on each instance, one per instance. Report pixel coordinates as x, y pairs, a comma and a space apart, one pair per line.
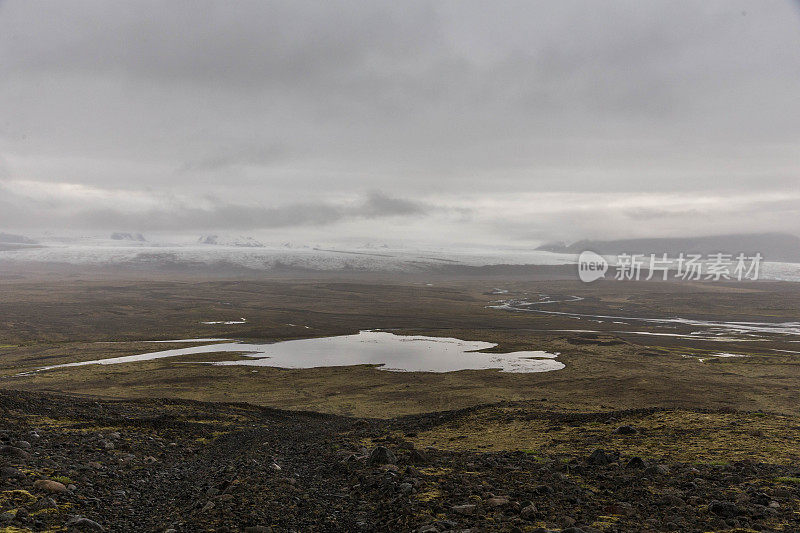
723, 509
381, 456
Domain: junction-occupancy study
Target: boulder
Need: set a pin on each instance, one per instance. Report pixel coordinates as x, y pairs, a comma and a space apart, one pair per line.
636, 463
601, 457
48, 485
83, 524
497, 501
381, 456
723, 509
528, 512
45, 503
418, 457
14, 453
10, 471
467, 509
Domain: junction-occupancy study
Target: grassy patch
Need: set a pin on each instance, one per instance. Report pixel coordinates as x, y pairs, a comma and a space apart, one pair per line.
686, 436
16, 497
429, 494
604, 522
46, 512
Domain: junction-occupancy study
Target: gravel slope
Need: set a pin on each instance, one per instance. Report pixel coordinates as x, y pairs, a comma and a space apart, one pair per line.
86, 465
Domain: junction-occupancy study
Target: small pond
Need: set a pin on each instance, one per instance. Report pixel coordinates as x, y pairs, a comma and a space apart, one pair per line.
388, 351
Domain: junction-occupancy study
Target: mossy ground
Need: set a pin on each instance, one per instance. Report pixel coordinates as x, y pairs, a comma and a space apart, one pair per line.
674, 435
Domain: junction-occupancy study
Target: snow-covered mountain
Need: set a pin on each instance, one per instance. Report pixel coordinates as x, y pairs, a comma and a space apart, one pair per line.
239, 242
9, 238
133, 237
238, 254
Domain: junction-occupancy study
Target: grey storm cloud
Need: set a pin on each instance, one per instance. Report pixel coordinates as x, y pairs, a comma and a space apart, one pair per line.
223, 216
249, 155
454, 105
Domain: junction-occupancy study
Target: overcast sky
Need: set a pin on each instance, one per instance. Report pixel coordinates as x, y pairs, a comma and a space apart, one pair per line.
448, 121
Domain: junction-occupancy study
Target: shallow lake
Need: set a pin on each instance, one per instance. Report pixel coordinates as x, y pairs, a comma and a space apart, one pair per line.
399, 353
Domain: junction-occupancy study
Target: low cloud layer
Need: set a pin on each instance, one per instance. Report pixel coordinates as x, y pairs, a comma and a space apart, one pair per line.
92, 211
470, 121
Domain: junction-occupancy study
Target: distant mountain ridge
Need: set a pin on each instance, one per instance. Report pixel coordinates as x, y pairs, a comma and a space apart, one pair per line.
772, 246
122, 236
8, 238
10, 241
240, 242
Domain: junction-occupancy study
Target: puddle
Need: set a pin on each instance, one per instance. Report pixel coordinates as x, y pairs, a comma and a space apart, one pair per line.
497, 290
705, 358
398, 353
227, 322
723, 355
212, 339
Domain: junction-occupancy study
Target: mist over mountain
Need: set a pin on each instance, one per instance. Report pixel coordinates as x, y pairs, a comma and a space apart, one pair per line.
10, 241
772, 246
8, 238
133, 237
241, 242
